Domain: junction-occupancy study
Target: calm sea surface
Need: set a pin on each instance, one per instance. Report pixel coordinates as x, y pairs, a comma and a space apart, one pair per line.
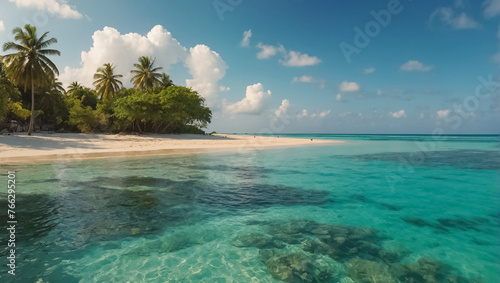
376, 208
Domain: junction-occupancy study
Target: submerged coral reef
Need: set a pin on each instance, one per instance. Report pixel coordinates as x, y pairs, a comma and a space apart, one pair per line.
306, 251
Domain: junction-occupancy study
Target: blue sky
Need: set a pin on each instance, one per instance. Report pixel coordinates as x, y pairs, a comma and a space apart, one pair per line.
418, 74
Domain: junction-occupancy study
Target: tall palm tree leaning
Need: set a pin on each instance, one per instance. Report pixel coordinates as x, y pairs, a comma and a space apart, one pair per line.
146, 76
106, 82
29, 67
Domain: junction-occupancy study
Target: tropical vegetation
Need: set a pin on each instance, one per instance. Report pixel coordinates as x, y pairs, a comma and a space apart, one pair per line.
29, 67
30, 90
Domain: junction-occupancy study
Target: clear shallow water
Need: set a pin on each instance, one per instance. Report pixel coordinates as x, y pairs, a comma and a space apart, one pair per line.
389, 208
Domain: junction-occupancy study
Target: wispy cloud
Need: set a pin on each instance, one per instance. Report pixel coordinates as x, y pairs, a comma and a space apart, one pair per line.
309, 80
58, 7
369, 70
443, 113
268, 51
246, 38
457, 21
492, 8
414, 65
323, 114
303, 79
339, 97
302, 114
289, 58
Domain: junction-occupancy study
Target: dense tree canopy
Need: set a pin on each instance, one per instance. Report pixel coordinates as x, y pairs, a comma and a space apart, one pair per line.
173, 109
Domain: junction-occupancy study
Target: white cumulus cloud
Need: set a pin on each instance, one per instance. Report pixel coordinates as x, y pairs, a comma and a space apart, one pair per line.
207, 68
246, 38
399, 114
346, 86
296, 59
109, 46
58, 7
253, 103
414, 65
282, 111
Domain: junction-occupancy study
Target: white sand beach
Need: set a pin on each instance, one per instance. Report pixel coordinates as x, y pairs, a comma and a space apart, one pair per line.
21, 148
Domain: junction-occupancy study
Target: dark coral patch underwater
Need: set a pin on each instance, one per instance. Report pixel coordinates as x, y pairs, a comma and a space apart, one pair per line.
364, 199
307, 251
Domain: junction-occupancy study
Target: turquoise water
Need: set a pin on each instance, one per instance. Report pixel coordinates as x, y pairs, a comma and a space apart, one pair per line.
376, 208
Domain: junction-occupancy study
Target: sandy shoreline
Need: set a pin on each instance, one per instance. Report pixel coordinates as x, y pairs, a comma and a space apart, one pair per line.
20, 148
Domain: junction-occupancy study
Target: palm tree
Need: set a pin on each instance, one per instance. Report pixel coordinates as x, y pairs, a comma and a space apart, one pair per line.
55, 86
106, 82
165, 81
74, 86
146, 77
29, 66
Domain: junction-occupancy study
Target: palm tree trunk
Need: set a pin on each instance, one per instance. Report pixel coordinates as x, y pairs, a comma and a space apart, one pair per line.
32, 119
139, 127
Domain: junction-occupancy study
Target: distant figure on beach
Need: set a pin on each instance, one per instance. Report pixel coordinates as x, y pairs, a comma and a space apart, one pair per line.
311, 139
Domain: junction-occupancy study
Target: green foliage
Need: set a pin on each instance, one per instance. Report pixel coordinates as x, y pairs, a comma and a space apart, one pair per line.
85, 95
4, 100
30, 63
7, 90
107, 83
165, 81
30, 67
85, 118
9, 98
17, 109
173, 109
52, 104
145, 74
73, 87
